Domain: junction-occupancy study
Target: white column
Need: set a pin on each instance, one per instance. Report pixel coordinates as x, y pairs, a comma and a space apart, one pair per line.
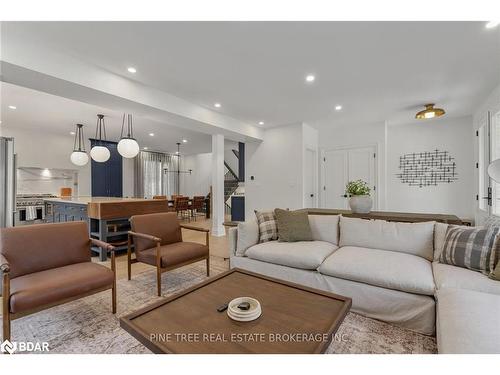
217, 185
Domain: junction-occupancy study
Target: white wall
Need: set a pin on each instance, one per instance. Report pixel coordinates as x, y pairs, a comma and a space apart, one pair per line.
198, 183
310, 142
447, 134
276, 164
453, 135
46, 150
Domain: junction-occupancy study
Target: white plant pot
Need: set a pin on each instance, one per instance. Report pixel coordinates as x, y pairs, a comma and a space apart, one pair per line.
361, 204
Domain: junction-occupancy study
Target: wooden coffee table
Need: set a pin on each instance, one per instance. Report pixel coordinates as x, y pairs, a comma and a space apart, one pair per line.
295, 319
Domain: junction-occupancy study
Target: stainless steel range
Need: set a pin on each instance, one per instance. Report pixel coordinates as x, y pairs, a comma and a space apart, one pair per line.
31, 208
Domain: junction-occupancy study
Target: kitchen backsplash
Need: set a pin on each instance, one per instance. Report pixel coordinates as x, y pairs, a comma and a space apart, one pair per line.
31, 180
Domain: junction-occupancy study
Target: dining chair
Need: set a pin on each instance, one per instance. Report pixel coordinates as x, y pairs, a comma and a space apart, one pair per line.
181, 205
198, 203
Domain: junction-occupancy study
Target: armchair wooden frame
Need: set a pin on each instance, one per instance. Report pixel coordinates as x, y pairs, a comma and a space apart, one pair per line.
159, 268
8, 317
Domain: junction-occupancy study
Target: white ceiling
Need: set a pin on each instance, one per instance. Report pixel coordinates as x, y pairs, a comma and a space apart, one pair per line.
378, 71
36, 110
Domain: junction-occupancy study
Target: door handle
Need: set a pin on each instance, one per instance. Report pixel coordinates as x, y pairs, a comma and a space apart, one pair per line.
345, 195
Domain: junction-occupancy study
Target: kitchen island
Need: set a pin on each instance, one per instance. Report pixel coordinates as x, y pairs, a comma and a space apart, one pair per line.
107, 217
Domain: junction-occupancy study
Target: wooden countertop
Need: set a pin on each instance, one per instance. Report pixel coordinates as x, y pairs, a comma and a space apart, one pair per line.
105, 208
87, 200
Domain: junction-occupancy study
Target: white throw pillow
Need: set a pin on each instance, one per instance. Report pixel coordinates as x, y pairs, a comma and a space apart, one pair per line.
411, 238
248, 236
325, 228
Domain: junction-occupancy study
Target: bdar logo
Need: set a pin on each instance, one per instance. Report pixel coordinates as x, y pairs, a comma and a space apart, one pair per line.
8, 347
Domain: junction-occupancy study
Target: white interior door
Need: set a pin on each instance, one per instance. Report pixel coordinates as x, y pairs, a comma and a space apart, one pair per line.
310, 165
344, 165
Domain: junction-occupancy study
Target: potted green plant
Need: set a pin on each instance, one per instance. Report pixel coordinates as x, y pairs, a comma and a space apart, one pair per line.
359, 196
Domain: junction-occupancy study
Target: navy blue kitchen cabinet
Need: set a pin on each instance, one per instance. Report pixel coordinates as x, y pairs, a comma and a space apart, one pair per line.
107, 177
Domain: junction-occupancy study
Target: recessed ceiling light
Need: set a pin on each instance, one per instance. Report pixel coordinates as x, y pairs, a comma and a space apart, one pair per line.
217, 105
184, 141
12, 107
132, 69
72, 133
144, 148
261, 122
310, 78
177, 152
338, 107
151, 134
492, 24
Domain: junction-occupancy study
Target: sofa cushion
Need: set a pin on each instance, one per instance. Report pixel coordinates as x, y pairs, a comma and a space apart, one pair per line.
54, 285
410, 238
472, 248
174, 253
306, 255
293, 226
447, 276
387, 269
325, 228
268, 227
439, 237
495, 274
248, 235
467, 322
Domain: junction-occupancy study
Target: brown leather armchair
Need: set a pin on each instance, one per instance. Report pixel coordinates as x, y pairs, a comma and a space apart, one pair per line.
158, 242
47, 265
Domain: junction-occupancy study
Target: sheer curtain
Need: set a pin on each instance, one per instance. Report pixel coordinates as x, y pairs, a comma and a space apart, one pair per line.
152, 176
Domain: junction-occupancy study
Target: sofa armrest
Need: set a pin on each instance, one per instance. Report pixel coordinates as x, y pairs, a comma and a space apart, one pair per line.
144, 236
4, 264
103, 245
232, 240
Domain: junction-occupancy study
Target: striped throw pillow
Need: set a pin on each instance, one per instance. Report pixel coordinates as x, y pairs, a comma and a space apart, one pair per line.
268, 226
472, 248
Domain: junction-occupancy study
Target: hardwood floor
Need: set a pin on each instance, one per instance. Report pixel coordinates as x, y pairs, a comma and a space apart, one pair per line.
218, 248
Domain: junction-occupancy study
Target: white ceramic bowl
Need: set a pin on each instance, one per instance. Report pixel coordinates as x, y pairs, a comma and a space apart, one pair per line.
244, 315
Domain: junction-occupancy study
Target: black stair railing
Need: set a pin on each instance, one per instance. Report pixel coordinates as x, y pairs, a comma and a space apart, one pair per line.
231, 183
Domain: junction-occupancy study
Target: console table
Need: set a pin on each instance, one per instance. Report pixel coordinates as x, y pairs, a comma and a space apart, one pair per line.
408, 217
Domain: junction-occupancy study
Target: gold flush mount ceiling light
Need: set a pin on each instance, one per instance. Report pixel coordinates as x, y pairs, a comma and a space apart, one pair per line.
430, 112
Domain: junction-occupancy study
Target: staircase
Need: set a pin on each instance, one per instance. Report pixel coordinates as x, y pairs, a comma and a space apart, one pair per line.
231, 183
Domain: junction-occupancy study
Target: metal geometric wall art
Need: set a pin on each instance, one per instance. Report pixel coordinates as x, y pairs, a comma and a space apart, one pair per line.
428, 168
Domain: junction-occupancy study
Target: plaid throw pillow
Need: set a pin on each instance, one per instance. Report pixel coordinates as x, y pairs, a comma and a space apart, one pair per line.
472, 248
268, 228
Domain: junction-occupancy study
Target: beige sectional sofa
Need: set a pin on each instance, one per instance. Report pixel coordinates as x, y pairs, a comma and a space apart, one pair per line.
389, 269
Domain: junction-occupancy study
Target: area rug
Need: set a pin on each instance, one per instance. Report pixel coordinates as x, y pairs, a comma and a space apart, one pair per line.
87, 325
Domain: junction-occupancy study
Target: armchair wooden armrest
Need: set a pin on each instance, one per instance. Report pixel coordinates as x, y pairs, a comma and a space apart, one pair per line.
206, 231
4, 264
103, 245
145, 236
190, 227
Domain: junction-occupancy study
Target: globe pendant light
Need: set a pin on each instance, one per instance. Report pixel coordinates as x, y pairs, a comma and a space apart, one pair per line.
79, 156
128, 146
100, 153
